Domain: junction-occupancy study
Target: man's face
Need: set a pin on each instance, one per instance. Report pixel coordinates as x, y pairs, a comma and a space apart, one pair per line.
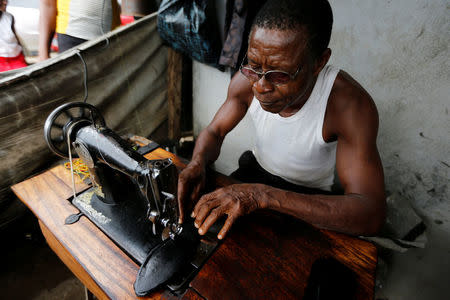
3, 4
284, 50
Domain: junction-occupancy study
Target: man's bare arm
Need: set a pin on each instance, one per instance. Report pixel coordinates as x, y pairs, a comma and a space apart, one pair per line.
47, 25
361, 209
209, 141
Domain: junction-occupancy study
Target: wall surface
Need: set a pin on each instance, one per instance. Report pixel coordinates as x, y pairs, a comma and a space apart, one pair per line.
398, 50
209, 92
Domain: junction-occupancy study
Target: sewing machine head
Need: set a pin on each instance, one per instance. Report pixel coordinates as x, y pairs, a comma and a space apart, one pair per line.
121, 175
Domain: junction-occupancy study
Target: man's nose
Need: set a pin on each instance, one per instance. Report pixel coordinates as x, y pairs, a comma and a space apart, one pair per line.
262, 85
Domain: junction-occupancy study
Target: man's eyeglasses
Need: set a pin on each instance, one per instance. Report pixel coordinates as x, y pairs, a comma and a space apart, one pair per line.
275, 77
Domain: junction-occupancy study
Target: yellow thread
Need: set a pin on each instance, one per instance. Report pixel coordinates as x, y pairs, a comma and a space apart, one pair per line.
79, 168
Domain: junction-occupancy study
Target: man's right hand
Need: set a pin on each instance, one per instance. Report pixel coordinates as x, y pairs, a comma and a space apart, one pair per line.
191, 182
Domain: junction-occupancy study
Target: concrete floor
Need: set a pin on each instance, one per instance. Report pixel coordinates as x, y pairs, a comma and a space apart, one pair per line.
421, 273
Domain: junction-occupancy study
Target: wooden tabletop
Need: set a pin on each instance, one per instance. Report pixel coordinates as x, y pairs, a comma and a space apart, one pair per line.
265, 256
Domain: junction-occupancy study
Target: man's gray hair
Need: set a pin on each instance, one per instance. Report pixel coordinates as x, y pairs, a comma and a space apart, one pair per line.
315, 16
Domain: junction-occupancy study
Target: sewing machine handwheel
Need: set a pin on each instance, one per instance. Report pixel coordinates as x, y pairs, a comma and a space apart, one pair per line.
59, 123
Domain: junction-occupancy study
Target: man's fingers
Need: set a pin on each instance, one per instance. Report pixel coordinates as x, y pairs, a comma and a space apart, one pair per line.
230, 220
204, 199
202, 211
211, 219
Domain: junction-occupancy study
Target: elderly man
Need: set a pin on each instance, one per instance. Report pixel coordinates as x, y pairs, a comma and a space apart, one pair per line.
309, 118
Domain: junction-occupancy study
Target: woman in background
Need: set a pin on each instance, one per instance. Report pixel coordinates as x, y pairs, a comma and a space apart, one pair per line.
11, 55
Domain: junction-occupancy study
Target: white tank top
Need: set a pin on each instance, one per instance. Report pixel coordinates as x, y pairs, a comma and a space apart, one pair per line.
9, 46
293, 147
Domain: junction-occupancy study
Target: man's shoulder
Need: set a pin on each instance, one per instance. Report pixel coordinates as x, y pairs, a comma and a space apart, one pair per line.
347, 94
349, 104
240, 89
8, 17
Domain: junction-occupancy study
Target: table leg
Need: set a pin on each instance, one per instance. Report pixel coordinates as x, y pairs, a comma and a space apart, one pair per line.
71, 263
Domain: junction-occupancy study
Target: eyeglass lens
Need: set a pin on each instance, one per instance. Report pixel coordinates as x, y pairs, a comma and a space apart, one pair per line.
274, 77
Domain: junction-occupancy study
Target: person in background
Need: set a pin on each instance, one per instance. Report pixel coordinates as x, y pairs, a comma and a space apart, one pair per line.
11, 54
75, 22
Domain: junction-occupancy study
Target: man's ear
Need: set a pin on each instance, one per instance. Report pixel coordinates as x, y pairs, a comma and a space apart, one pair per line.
322, 61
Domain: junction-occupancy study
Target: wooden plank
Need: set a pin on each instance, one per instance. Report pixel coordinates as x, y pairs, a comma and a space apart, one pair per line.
161, 154
71, 263
358, 255
269, 256
174, 84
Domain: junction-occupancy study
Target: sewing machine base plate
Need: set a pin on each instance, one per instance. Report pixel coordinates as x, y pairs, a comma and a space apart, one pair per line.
123, 222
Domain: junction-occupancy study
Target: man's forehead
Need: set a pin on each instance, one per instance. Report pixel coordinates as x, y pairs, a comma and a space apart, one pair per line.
278, 40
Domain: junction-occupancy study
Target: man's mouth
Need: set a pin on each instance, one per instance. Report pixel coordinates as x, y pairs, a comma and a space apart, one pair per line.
267, 102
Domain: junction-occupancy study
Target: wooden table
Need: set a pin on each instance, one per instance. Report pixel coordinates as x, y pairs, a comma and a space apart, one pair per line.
265, 256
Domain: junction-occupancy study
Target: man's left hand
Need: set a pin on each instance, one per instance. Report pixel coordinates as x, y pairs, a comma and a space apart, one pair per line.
234, 201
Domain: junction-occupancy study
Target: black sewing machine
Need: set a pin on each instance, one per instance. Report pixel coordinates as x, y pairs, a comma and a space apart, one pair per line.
132, 199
